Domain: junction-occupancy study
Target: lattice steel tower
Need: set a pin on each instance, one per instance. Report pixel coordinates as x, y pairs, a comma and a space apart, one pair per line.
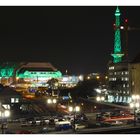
117, 55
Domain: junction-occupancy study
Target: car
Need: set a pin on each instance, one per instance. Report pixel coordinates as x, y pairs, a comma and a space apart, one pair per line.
116, 123
103, 124
51, 122
79, 126
24, 124
44, 130
60, 127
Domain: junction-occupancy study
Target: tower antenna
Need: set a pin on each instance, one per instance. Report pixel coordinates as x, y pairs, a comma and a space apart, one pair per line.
117, 55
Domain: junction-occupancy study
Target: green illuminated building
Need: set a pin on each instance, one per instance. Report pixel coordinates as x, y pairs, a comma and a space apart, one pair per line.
37, 70
31, 71
7, 70
117, 55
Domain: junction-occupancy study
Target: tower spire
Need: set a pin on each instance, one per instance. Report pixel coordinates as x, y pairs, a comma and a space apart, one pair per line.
117, 55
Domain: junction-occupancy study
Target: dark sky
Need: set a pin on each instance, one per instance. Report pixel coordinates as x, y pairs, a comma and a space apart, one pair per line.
79, 39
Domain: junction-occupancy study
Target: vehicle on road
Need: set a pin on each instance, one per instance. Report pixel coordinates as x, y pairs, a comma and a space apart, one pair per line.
79, 126
51, 122
116, 123
24, 124
44, 130
63, 125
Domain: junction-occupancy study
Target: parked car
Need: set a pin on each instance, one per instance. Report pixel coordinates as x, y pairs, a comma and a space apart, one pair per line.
44, 130
51, 122
79, 126
63, 125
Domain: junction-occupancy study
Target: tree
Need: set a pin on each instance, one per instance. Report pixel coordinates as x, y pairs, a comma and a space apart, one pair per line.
53, 83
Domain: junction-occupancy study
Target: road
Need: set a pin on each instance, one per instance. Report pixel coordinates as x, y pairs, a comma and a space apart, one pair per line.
107, 130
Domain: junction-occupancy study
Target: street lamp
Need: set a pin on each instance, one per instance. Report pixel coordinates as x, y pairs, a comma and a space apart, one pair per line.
52, 102
100, 98
135, 105
49, 101
74, 110
3, 115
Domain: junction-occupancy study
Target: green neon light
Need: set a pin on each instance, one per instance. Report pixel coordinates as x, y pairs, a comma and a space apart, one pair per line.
117, 42
28, 74
7, 71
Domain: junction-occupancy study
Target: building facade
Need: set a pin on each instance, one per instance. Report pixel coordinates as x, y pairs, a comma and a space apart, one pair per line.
134, 70
31, 72
119, 83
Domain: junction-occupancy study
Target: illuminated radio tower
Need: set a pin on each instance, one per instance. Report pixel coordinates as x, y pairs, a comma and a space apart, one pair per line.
117, 55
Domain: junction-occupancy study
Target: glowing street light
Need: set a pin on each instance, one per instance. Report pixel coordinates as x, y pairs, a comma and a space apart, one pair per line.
88, 77
54, 101
74, 110
106, 77
77, 109
135, 105
133, 97
4, 114
102, 98
70, 108
81, 77
49, 101
98, 98
137, 97
131, 105
97, 77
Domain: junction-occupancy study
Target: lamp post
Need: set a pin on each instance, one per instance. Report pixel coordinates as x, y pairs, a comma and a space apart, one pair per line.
74, 109
52, 101
100, 99
3, 115
135, 105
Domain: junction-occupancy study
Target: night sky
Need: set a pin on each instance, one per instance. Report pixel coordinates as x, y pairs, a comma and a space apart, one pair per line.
79, 39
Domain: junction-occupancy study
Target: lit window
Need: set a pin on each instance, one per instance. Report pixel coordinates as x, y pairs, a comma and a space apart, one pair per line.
6, 106
126, 72
12, 100
124, 92
123, 85
122, 78
133, 83
127, 92
115, 73
122, 73
16, 100
111, 68
126, 79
